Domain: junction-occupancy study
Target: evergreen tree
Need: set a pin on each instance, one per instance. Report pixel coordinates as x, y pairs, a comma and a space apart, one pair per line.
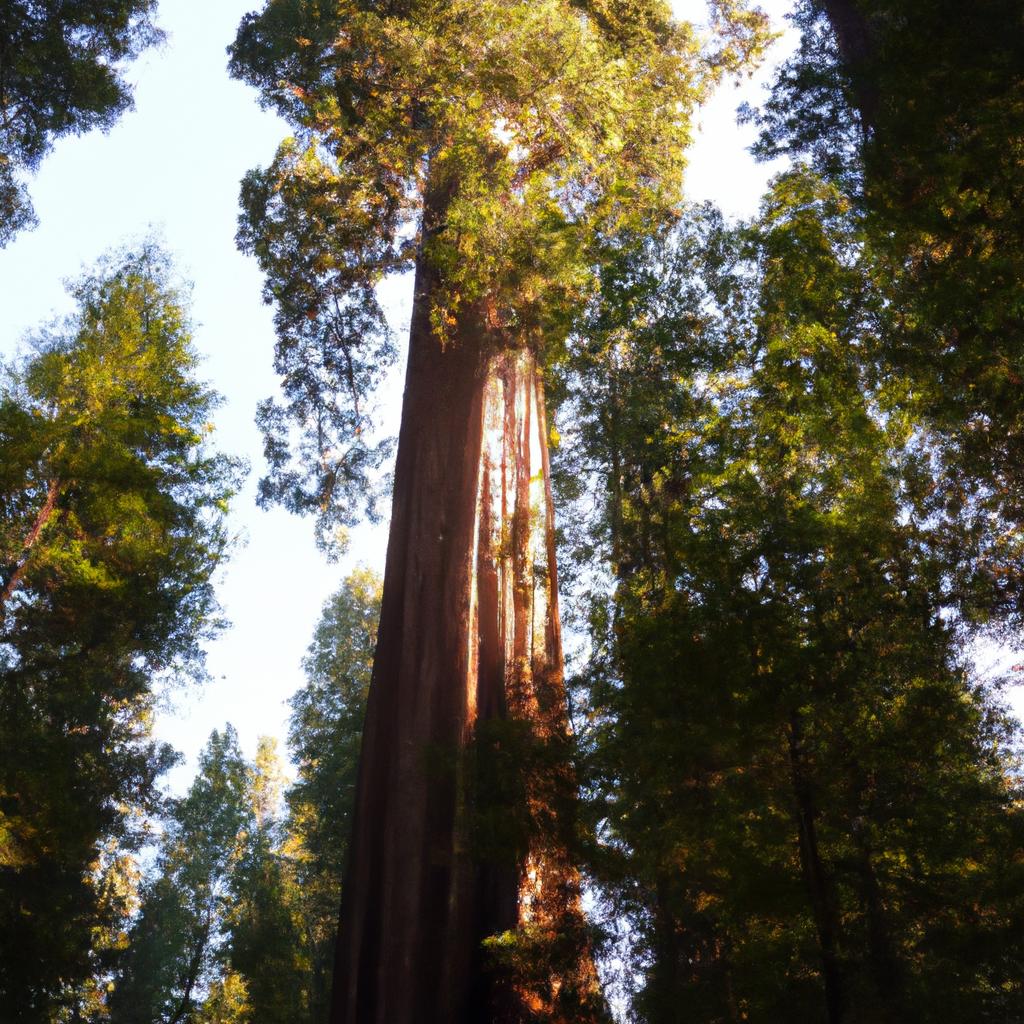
177, 942
914, 109
489, 146
266, 946
111, 526
61, 65
284, 925
810, 803
324, 737
239, 918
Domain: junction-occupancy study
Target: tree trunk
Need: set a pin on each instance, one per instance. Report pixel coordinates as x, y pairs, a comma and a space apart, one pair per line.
465, 791
856, 50
17, 571
819, 889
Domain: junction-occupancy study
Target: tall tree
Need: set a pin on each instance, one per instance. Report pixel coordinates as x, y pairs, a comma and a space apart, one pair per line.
61, 65
239, 915
915, 108
177, 941
324, 737
490, 146
111, 526
797, 769
284, 924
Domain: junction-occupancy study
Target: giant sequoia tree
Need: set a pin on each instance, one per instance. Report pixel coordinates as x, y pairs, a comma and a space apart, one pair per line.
492, 147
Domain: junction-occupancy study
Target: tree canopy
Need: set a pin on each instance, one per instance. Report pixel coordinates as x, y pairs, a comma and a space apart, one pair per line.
804, 791
500, 140
111, 527
918, 109
61, 64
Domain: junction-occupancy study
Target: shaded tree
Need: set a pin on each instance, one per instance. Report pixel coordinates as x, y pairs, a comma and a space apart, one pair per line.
239, 916
915, 109
324, 738
61, 65
810, 803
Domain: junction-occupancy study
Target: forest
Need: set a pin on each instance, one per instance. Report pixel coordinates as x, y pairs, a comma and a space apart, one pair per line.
684, 696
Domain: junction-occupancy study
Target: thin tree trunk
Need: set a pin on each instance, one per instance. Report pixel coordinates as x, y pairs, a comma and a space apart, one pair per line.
464, 787
666, 978
18, 572
885, 966
815, 877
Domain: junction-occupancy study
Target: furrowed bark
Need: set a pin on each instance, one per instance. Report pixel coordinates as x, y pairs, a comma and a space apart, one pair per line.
465, 790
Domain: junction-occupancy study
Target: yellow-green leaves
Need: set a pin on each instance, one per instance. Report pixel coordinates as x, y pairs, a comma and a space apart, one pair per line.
492, 131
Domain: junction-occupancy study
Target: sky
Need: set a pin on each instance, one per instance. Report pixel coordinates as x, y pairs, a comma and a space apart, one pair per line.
173, 165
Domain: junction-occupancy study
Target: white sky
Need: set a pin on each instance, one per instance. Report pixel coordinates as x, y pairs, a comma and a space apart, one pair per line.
174, 164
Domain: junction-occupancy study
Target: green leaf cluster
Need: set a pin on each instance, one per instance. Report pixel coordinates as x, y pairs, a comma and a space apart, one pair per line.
916, 110
111, 526
490, 144
806, 799
60, 74
239, 913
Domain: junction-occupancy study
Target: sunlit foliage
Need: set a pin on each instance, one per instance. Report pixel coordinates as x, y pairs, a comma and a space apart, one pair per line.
498, 141
111, 526
916, 110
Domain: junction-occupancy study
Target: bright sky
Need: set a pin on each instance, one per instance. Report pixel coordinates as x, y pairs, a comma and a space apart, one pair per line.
174, 164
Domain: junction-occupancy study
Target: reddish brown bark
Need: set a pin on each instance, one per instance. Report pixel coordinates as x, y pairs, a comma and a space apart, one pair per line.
18, 570
465, 791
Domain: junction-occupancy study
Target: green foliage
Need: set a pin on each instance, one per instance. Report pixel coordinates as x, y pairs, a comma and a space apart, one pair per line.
917, 110
805, 796
326, 726
239, 916
111, 526
324, 736
60, 74
177, 941
494, 143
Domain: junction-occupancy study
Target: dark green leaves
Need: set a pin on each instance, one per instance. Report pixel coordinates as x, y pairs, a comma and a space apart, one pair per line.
60, 74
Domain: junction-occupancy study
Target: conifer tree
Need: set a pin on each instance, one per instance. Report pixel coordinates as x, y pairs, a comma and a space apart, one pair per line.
177, 941
61, 64
490, 147
111, 527
913, 109
798, 768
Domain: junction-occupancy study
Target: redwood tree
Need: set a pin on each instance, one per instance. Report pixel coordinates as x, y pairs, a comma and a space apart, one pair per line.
491, 146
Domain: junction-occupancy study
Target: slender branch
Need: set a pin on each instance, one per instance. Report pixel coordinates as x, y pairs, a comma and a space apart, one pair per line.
52, 493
